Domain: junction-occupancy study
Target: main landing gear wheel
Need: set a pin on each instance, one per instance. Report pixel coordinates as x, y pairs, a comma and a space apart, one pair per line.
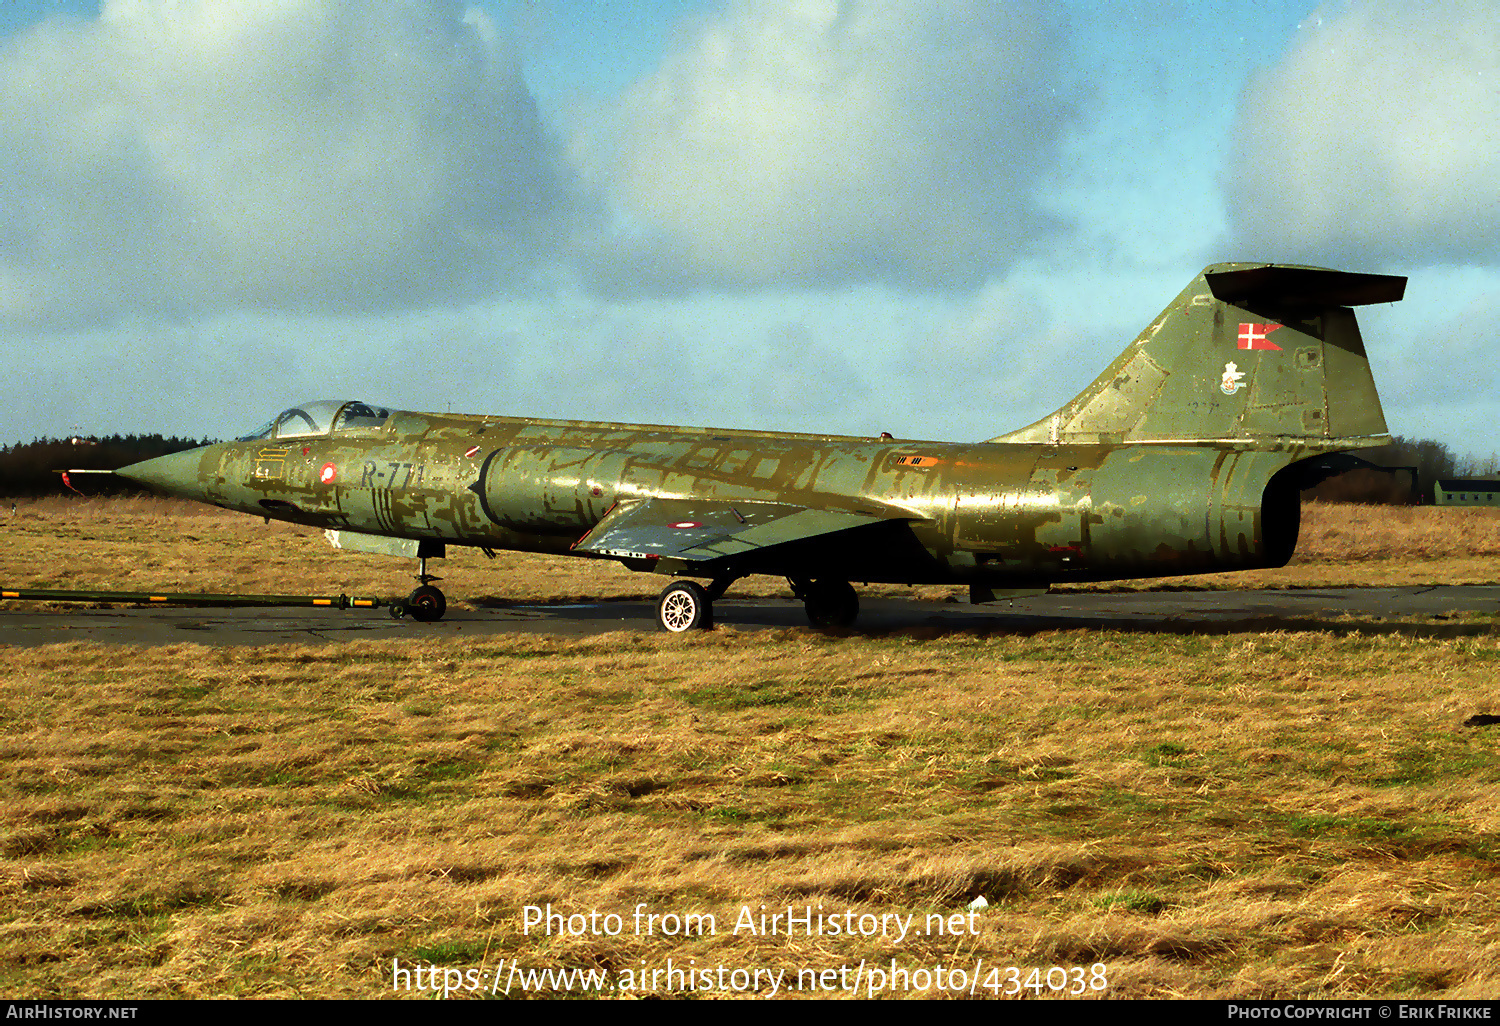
426, 604
829, 603
684, 606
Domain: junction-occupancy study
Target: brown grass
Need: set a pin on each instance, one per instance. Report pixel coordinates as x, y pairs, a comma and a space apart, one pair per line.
1249, 816
1344, 533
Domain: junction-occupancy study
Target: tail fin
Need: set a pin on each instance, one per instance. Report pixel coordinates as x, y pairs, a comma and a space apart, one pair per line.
1247, 353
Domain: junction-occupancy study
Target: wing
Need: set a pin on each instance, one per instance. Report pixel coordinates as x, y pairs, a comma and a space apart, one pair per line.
706, 530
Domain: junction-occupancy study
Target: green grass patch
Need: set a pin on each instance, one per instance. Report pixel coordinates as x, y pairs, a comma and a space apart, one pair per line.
1434, 761
152, 904
754, 694
450, 952
1146, 902
1168, 753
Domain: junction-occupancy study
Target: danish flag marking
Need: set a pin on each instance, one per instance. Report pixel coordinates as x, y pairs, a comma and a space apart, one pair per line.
1253, 336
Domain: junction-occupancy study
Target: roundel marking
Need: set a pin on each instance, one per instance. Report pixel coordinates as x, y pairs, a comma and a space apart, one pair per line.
328, 473
683, 525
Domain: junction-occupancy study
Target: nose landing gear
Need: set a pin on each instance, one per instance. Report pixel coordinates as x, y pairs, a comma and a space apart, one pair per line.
426, 604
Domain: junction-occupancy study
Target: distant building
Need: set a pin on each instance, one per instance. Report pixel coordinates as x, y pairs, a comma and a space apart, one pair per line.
1459, 492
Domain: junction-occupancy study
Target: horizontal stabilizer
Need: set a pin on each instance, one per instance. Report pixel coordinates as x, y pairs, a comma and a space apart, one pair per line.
700, 530
1303, 288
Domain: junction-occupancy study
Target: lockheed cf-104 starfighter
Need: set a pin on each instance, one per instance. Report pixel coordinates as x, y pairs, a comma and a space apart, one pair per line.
1185, 456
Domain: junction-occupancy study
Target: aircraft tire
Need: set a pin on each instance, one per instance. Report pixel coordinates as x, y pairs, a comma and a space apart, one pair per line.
684, 606
426, 604
398, 610
830, 604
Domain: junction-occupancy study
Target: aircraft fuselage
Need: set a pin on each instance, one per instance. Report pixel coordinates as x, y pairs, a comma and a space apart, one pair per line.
1001, 514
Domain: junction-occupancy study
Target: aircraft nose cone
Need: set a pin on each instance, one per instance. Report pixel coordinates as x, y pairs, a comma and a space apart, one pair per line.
176, 473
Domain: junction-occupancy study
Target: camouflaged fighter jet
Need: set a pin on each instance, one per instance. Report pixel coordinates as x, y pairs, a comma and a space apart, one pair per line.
1182, 457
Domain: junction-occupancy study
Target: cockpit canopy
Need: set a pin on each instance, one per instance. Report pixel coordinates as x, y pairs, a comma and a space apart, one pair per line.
322, 418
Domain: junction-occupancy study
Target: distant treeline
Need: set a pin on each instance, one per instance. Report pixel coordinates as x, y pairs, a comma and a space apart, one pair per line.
1433, 461
27, 468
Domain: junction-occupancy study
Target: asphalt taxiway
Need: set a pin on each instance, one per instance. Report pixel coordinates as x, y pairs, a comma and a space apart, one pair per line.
1425, 609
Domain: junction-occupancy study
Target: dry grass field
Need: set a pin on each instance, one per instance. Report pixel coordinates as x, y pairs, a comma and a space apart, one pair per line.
1264, 815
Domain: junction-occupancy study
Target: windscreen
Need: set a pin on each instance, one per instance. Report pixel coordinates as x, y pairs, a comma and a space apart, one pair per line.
308, 420
357, 416
324, 417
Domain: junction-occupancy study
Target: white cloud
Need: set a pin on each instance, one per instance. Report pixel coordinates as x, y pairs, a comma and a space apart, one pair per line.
826, 140
304, 154
1376, 137
1436, 346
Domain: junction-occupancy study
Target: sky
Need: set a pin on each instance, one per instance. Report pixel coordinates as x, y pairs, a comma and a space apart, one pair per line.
938, 218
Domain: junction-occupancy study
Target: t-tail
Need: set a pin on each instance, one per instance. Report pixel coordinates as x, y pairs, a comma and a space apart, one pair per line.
1190, 452
1258, 356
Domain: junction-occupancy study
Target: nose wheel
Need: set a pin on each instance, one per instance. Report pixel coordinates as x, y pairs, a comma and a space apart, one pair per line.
425, 604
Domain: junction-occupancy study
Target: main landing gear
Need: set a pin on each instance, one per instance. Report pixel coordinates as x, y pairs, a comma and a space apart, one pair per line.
687, 605
829, 603
426, 603
684, 606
